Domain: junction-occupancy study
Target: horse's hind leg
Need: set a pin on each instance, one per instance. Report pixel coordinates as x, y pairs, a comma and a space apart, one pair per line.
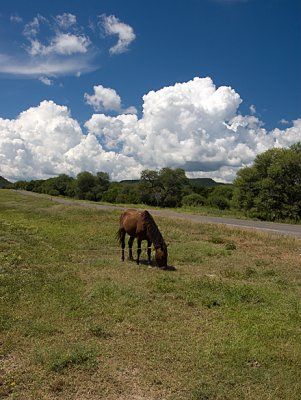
121, 233
138, 250
131, 240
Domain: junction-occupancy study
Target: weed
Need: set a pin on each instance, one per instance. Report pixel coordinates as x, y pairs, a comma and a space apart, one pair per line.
58, 358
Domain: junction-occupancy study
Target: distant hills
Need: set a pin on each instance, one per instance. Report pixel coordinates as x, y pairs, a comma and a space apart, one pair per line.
205, 182
4, 182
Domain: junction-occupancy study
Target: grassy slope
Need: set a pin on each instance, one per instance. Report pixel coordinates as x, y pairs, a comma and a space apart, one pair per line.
77, 323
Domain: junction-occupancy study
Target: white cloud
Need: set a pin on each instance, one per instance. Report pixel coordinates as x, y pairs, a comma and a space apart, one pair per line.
53, 48
46, 141
60, 46
65, 20
34, 144
16, 18
125, 33
46, 81
192, 124
53, 66
252, 109
32, 29
62, 43
105, 99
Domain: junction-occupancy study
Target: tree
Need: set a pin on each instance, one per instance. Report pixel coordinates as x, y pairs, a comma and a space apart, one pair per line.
128, 194
271, 188
164, 188
220, 196
246, 188
150, 188
173, 182
57, 186
102, 182
85, 182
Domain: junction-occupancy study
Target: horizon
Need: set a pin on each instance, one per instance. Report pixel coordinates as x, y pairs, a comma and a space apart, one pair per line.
123, 180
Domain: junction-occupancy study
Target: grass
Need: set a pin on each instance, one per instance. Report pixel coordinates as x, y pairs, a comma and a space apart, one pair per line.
77, 323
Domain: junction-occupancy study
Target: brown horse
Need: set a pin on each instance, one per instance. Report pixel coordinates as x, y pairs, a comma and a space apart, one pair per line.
141, 225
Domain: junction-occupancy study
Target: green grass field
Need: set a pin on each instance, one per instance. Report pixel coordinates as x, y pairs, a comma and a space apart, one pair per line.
77, 323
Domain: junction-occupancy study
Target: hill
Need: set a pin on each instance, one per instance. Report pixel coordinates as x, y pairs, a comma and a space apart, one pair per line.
4, 182
206, 182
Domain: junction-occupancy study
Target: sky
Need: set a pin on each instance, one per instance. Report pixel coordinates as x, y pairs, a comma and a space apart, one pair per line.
121, 86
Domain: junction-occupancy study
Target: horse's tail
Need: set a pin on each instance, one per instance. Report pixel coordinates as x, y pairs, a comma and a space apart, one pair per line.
119, 235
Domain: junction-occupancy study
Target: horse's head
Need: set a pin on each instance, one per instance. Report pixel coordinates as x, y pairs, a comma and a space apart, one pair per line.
161, 255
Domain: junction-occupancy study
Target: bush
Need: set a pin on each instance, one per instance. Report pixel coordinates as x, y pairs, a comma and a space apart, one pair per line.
193, 200
220, 202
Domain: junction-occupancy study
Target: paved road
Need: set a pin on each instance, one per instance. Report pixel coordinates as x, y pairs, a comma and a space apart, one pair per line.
269, 227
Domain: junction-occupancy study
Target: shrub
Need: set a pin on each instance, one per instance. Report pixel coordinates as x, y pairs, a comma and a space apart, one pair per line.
193, 199
220, 202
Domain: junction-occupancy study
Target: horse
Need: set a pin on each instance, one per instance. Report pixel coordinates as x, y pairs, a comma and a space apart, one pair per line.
141, 225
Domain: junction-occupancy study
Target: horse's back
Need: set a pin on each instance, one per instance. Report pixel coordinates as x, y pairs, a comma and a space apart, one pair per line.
130, 221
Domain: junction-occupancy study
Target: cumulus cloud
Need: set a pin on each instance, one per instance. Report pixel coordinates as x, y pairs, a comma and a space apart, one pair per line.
46, 141
105, 99
33, 145
125, 33
194, 125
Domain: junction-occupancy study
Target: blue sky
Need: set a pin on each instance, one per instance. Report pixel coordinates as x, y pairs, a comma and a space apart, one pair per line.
129, 85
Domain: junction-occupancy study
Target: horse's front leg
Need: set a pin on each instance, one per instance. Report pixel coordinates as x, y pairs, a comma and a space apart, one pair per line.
149, 251
138, 250
131, 240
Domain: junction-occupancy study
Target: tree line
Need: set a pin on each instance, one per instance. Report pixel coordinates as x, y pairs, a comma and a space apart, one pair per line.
269, 190
164, 188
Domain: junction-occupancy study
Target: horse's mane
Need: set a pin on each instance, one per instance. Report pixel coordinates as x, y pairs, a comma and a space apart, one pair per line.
152, 229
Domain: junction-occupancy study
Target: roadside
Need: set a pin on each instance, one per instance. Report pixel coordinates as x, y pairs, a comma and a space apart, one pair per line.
269, 227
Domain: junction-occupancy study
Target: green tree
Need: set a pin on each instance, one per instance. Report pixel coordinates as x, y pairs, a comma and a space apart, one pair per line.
128, 194
102, 182
150, 188
220, 196
164, 188
271, 188
173, 182
111, 194
56, 186
85, 183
